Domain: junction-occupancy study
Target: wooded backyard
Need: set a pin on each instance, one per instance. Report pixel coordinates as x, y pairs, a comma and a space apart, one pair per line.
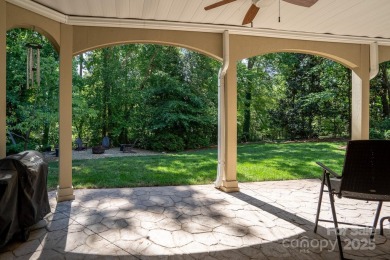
165, 98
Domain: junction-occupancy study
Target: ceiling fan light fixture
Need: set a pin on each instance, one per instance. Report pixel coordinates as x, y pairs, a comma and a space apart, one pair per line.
255, 7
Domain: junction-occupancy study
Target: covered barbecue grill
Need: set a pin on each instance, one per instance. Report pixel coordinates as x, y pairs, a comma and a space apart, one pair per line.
23, 194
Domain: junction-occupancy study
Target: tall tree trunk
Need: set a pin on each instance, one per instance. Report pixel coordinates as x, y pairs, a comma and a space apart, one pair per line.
11, 137
46, 128
247, 104
105, 91
81, 61
109, 109
27, 139
45, 137
79, 128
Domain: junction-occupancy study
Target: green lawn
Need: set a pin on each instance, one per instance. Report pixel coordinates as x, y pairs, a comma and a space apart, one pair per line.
256, 162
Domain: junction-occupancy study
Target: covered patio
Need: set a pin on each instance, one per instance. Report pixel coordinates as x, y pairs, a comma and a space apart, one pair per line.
341, 31
265, 220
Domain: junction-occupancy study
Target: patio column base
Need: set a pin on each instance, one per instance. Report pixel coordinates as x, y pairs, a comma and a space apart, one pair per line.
229, 186
64, 194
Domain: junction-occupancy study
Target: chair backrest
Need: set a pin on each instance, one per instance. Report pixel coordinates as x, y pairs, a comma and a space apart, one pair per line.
106, 142
79, 142
367, 167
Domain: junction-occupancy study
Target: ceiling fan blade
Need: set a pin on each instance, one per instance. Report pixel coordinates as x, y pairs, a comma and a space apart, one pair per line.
305, 3
217, 4
251, 14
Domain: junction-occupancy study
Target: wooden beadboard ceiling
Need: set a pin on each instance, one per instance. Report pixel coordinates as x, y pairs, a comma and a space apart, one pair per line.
363, 18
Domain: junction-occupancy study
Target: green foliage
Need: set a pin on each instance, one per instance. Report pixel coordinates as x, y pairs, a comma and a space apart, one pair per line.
258, 89
380, 129
32, 112
165, 98
162, 98
316, 99
17, 148
376, 134
166, 142
379, 103
387, 135
174, 115
14, 148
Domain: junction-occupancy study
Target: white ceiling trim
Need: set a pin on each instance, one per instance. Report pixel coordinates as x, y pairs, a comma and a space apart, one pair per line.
41, 10
165, 25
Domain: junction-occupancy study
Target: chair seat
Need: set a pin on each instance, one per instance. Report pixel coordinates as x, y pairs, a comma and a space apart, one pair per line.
365, 196
336, 184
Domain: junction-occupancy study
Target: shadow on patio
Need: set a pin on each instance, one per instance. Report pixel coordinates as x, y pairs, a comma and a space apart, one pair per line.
265, 220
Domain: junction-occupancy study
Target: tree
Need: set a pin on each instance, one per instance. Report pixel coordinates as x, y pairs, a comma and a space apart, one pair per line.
149, 94
379, 103
257, 86
316, 100
31, 112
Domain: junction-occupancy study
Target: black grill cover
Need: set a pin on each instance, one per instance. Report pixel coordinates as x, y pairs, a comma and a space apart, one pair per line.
23, 193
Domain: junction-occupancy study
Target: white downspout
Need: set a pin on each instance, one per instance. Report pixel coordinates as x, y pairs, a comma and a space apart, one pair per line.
221, 111
374, 60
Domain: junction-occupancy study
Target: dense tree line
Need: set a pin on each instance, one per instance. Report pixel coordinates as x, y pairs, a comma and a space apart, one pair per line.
160, 97
316, 98
165, 98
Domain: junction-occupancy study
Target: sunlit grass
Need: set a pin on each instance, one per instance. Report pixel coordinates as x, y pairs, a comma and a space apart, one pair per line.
256, 162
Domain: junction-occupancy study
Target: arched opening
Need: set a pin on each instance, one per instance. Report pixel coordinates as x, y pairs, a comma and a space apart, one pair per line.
32, 92
155, 72
284, 101
162, 99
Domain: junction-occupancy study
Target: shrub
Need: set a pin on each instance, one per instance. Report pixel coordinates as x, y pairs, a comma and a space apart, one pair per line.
376, 134
17, 148
387, 134
166, 142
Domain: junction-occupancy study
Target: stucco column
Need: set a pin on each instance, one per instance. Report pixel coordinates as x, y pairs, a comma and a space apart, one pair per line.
3, 88
361, 97
65, 188
229, 183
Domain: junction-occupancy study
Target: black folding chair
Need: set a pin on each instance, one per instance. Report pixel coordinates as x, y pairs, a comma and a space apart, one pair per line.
365, 176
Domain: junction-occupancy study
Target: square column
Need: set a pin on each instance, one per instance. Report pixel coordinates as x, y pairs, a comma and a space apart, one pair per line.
361, 97
65, 188
360, 108
229, 181
3, 81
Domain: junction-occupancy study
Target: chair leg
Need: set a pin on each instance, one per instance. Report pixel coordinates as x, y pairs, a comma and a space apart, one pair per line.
319, 202
378, 211
331, 198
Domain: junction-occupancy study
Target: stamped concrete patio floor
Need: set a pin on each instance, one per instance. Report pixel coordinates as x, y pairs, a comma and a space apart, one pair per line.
265, 220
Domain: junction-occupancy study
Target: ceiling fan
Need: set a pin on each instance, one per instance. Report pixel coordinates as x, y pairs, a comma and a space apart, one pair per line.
255, 7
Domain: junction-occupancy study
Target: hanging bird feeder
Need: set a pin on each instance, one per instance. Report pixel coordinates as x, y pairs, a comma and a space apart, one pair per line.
33, 65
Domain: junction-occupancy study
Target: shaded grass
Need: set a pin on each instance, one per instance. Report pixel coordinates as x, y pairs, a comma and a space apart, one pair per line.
256, 162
